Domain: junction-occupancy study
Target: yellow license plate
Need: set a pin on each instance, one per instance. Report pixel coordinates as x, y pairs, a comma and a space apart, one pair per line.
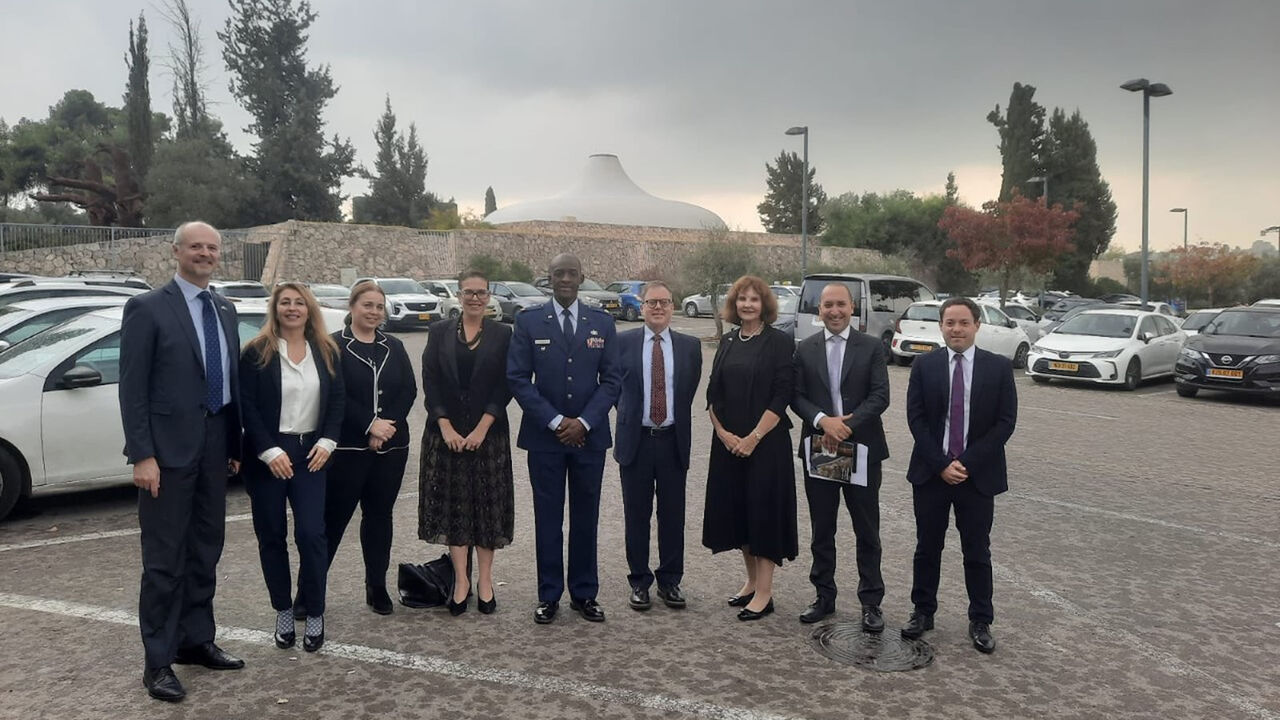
1228, 374
424, 316
922, 348
1064, 366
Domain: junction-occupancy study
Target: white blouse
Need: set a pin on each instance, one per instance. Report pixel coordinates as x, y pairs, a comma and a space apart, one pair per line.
299, 400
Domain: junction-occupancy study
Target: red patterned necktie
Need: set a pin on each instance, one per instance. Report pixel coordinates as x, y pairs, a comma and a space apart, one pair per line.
657, 384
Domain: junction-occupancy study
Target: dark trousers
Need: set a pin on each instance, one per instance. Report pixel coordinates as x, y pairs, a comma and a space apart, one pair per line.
863, 504
182, 534
547, 475
372, 481
304, 492
974, 513
656, 470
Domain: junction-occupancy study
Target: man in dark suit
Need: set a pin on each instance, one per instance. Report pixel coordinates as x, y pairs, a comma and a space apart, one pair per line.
961, 407
841, 389
562, 367
660, 373
179, 386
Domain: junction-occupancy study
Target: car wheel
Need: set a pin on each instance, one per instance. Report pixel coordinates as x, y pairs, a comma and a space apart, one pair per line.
10, 483
1133, 375
630, 315
1040, 379
903, 360
691, 310
1020, 356
454, 313
1186, 390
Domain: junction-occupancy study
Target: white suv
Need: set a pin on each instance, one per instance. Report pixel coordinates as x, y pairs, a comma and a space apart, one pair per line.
407, 303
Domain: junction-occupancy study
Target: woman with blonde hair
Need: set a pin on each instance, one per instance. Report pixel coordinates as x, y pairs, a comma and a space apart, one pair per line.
292, 401
751, 484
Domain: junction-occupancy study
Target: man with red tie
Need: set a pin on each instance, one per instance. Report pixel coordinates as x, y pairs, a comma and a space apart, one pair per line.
961, 407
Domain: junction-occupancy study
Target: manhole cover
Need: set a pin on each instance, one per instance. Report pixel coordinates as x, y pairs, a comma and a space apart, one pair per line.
845, 642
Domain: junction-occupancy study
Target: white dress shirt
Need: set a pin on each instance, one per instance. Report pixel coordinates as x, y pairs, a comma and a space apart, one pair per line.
668, 365
299, 399
573, 321
968, 390
826, 349
191, 293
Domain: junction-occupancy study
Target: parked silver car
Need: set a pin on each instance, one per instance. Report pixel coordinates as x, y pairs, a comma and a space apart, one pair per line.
878, 300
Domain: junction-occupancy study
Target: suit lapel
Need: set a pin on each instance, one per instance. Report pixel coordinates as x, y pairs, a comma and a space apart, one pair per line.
583, 330
555, 325
178, 304
819, 360
847, 361
450, 353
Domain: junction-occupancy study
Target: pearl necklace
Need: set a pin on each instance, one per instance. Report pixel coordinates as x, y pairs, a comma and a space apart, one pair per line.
750, 337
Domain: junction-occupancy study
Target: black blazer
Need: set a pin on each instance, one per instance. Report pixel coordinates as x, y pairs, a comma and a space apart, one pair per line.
771, 383
687, 353
864, 389
384, 390
993, 412
441, 391
162, 383
260, 394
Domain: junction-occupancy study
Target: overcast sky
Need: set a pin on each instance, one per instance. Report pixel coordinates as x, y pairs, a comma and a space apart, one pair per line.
694, 96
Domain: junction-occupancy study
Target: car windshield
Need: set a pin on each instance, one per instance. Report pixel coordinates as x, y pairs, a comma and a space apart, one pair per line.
400, 286
590, 285
1099, 324
1197, 320
52, 344
1250, 324
788, 303
329, 291
927, 313
524, 289
619, 288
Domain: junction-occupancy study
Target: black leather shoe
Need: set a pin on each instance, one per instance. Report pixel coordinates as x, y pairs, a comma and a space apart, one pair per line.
817, 610
980, 633
287, 640
740, 600
916, 625
545, 613
671, 597
162, 684
872, 619
749, 614
487, 607
379, 600
640, 599
589, 609
312, 643
208, 655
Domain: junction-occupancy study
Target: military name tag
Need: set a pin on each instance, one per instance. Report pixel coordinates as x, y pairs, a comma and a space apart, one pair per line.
542, 341
595, 343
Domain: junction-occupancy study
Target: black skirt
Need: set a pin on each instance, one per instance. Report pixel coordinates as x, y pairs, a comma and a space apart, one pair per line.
466, 498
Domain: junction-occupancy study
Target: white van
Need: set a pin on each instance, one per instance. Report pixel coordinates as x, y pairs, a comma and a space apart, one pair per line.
878, 301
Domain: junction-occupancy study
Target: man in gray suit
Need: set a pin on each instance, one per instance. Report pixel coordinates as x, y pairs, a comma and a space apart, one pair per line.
179, 353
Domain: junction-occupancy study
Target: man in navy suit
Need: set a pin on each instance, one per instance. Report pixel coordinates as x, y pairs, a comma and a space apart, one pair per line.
961, 407
179, 389
660, 373
562, 367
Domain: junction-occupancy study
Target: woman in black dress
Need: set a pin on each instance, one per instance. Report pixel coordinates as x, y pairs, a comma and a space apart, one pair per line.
368, 466
467, 498
751, 485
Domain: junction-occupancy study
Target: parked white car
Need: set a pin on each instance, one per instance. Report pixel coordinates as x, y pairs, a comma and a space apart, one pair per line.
62, 383
917, 332
1268, 302
451, 304
21, 320
407, 303
1111, 346
36, 289
1022, 314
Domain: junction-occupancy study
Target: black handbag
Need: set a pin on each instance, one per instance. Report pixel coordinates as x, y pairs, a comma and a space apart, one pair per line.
426, 585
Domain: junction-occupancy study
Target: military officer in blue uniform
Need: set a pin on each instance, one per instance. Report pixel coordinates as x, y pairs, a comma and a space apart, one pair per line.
562, 367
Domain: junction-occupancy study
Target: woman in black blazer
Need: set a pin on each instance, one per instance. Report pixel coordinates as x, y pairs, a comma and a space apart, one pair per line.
466, 498
373, 448
292, 400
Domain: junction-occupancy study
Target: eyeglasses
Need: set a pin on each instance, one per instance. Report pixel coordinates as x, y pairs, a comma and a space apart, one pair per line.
658, 303
475, 294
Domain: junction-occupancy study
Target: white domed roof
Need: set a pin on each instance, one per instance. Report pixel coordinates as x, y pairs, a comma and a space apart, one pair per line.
604, 194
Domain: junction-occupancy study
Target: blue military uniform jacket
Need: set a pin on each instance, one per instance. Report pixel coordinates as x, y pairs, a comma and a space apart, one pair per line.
550, 375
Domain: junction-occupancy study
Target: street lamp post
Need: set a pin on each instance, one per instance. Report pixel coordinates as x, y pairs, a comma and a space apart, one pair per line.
1045, 182
804, 201
1184, 224
1275, 229
1148, 90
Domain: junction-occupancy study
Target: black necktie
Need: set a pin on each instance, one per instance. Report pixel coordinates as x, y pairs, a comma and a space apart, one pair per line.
568, 325
212, 355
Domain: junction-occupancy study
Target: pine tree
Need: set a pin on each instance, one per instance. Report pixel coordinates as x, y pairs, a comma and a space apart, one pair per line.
186, 62
1021, 131
952, 191
1070, 160
780, 210
397, 187
137, 101
490, 201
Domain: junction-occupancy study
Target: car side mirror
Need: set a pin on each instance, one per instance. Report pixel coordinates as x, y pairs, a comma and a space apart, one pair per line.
81, 376
4, 345
1148, 336
1011, 324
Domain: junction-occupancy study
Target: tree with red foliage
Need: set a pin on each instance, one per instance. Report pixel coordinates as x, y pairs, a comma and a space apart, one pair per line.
1216, 270
1005, 237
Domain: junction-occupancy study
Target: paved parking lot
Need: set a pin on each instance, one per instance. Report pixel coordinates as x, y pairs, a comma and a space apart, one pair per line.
1136, 576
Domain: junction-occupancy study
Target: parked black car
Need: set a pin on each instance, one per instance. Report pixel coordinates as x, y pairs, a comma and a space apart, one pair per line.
1238, 352
1060, 308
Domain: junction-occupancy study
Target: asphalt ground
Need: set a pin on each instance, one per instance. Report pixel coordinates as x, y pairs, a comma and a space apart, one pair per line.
1136, 575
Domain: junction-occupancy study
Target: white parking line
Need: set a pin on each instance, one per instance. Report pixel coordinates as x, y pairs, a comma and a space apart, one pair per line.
1068, 412
665, 704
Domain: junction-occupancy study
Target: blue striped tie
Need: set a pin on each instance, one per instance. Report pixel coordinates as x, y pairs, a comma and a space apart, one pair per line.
212, 355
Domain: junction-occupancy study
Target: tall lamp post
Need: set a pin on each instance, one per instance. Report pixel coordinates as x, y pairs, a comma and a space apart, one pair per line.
804, 201
1184, 224
1275, 229
1045, 182
1148, 90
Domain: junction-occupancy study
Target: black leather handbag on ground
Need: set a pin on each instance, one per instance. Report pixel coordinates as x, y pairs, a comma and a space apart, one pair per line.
426, 585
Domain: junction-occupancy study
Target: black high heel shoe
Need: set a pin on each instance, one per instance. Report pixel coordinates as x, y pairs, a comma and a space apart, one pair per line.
378, 600
457, 608
312, 643
487, 607
741, 600
749, 614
